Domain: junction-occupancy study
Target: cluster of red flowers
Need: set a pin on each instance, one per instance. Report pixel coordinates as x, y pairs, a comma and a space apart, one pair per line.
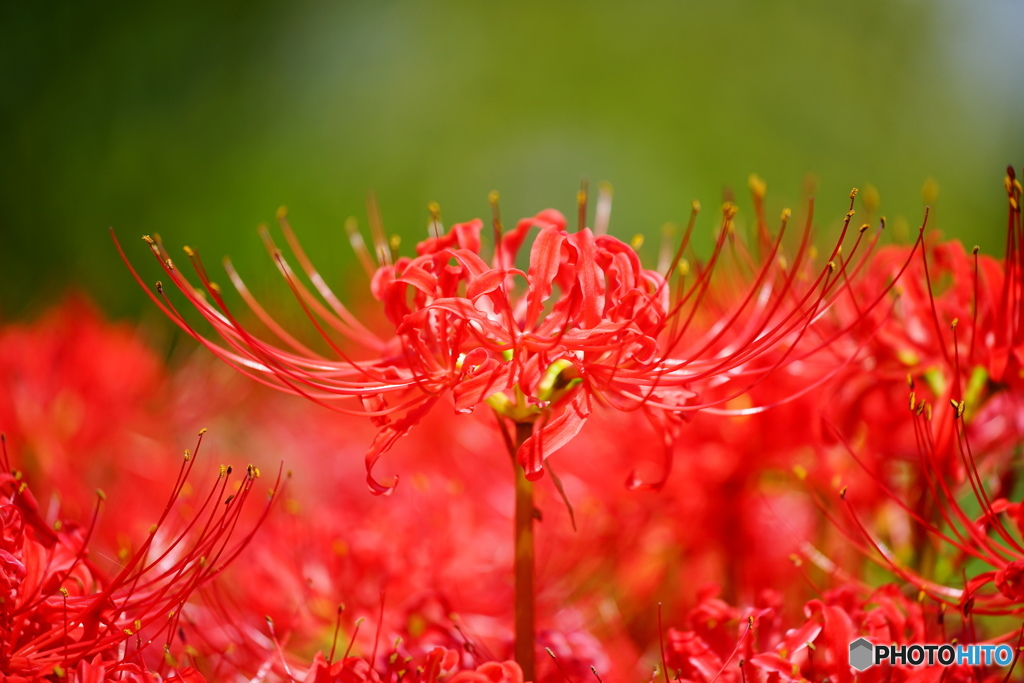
844, 432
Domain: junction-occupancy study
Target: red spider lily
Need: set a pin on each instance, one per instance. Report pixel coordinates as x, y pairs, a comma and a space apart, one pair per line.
732, 645
957, 500
438, 665
667, 342
991, 538
946, 287
61, 613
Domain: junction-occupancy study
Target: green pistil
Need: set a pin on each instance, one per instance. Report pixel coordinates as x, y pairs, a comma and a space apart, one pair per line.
559, 379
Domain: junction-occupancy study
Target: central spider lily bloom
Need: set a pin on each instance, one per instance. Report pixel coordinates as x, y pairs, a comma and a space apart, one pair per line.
584, 324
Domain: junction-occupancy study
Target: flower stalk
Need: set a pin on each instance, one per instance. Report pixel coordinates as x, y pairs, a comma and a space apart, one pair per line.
524, 562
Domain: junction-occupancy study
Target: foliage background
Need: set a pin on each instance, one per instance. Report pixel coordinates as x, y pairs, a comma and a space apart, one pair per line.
197, 120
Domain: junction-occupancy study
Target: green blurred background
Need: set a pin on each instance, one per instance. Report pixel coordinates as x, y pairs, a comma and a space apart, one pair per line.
198, 120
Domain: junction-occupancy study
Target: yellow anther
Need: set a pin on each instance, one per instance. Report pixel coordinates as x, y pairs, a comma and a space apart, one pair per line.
757, 186
493, 197
202, 431
853, 192
394, 242
148, 239
786, 213
282, 211
637, 241
695, 206
188, 455
64, 591
189, 251
100, 494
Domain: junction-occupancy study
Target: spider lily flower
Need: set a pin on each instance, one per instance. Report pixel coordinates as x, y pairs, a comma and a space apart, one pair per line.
62, 614
585, 324
957, 497
439, 665
957, 331
748, 645
985, 546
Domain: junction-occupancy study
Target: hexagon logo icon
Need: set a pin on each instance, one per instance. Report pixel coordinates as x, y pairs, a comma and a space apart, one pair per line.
861, 654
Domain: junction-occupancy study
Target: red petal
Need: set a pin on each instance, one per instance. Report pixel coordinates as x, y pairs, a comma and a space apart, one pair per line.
589, 277
465, 235
485, 283
386, 438
488, 378
544, 259
554, 433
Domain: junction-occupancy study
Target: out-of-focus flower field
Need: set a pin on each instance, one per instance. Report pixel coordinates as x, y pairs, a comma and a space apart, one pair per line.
686, 429
843, 423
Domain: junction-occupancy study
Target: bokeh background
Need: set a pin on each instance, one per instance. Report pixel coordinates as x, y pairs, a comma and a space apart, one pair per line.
197, 120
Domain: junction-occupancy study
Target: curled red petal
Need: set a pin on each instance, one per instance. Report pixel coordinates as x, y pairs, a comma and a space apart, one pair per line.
487, 378
667, 426
465, 235
386, 438
486, 283
550, 435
